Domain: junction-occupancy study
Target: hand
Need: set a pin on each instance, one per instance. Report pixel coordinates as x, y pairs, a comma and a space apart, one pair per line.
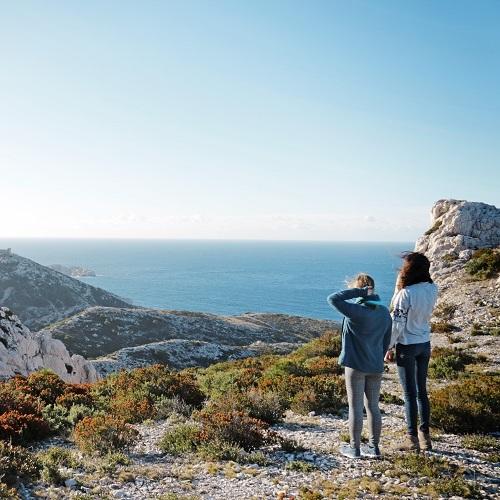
389, 356
369, 290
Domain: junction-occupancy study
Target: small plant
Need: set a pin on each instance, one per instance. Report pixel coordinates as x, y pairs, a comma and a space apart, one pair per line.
300, 466
387, 397
441, 327
412, 464
103, 434
484, 264
434, 228
180, 439
450, 257
22, 428
456, 487
445, 311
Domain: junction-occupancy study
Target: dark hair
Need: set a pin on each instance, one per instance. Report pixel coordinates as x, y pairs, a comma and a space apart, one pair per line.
415, 270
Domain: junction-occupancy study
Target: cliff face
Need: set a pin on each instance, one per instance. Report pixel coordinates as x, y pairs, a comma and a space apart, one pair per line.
40, 295
469, 306
22, 352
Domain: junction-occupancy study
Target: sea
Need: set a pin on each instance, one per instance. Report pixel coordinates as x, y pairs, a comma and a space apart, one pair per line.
223, 277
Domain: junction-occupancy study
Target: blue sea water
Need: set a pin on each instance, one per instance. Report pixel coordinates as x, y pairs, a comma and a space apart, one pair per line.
223, 277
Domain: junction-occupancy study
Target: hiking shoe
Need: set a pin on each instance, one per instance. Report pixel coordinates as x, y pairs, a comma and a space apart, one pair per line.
424, 441
371, 451
410, 443
350, 451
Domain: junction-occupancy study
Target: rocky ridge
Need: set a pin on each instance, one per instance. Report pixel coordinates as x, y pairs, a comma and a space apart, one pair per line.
41, 296
126, 338
22, 352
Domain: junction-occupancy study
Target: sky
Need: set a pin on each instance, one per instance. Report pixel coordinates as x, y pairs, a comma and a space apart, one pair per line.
269, 119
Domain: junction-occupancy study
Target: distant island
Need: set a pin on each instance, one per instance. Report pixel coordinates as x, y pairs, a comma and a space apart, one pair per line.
73, 271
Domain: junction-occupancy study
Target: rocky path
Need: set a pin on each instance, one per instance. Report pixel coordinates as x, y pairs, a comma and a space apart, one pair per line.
317, 470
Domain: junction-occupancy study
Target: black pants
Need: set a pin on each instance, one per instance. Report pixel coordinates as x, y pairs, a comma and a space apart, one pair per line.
413, 363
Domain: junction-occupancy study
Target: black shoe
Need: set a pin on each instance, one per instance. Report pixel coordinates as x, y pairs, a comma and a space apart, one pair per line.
368, 450
350, 451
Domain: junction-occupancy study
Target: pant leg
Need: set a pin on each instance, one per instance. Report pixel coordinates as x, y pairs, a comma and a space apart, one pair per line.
405, 359
355, 385
373, 381
422, 364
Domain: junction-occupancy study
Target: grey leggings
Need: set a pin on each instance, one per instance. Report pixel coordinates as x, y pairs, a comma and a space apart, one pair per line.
365, 386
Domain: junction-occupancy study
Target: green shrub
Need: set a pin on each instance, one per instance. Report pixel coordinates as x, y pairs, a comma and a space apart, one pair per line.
413, 464
468, 405
484, 264
448, 363
450, 257
103, 434
300, 466
17, 463
180, 439
321, 394
164, 407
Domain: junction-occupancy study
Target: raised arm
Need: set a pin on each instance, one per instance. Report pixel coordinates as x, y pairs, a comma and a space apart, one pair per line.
339, 300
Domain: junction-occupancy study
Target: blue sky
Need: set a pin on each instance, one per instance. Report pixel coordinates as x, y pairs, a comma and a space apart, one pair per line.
323, 120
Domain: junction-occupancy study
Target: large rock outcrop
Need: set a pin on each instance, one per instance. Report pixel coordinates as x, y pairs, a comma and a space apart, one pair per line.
23, 352
458, 228
41, 296
466, 305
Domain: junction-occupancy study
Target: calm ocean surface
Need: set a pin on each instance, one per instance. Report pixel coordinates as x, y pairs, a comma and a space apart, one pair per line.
224, 277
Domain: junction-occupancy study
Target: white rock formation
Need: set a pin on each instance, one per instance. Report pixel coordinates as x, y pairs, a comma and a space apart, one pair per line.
22, 352
458, 228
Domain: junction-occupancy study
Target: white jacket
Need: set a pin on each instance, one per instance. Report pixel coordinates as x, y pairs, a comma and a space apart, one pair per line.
412, 308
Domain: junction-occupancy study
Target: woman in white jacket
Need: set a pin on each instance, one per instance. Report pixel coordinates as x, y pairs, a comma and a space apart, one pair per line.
411, 309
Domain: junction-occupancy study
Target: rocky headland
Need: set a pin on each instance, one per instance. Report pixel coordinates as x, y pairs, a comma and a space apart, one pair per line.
40, 296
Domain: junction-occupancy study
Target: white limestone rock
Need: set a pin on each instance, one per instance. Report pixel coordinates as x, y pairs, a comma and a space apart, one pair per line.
23, 352
458, 228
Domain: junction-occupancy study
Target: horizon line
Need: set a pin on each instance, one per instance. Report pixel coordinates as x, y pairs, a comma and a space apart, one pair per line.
256, 240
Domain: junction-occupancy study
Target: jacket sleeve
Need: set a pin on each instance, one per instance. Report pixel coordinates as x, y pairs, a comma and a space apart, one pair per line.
400, 307
387, 337
339, 300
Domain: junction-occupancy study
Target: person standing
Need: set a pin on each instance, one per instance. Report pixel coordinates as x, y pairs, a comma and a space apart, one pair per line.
411, 309
366, 333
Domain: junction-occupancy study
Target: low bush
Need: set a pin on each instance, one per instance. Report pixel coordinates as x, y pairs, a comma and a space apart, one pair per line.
234, 427
17, 463
321, 394
103, 434
180, 439
448, 363
434, 228
386, 397
484, 264
468, 405
20, 428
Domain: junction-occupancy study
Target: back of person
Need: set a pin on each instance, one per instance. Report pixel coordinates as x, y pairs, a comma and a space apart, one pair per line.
413, 306
366, 333
363, 346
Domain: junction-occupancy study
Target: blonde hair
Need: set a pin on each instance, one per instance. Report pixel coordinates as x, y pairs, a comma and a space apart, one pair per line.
360, 281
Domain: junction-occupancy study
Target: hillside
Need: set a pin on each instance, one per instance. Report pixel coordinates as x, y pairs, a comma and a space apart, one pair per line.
41, 296
100, 331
